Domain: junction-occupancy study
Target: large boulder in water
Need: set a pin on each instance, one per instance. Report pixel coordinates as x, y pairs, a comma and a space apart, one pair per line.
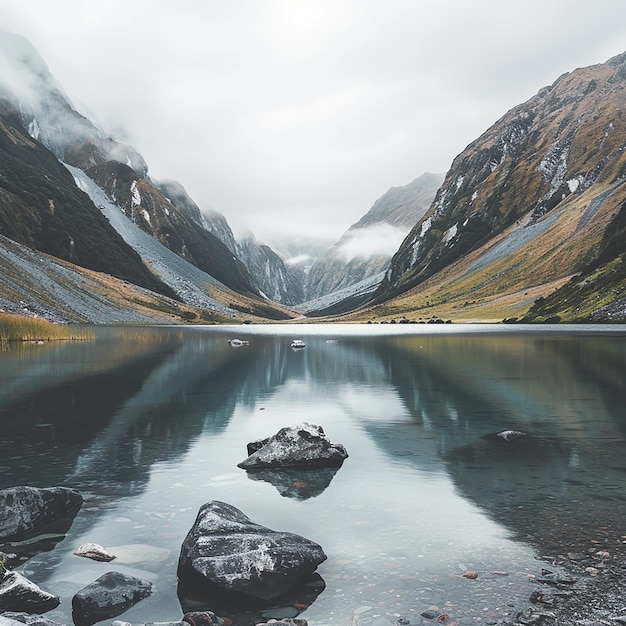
225, 550
28, 511
108, 596
304, 446
17, 593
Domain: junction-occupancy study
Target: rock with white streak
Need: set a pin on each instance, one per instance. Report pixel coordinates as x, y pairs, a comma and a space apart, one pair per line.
303, 446
95, 552
108, 596
17, 593
225, 550
27, 511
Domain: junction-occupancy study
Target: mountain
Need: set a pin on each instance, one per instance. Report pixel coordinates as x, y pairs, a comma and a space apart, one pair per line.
275, 280
41, 207
529, 215
366, 248
46, 151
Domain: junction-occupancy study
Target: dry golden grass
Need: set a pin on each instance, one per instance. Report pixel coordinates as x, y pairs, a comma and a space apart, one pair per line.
24, 328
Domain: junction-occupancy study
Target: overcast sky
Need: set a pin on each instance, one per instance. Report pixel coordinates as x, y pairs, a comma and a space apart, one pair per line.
296, 115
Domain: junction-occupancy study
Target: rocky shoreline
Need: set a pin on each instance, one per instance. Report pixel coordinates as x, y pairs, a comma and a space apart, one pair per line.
597, 598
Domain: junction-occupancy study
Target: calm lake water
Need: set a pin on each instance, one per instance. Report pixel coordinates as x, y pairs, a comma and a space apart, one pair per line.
149, 424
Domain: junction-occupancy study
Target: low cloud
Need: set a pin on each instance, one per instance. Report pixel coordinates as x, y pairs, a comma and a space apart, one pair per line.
378, 240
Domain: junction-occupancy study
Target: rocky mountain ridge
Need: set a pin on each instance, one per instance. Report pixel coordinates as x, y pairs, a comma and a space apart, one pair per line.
531, 204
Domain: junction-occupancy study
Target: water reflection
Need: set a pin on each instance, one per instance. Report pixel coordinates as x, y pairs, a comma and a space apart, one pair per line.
248, 613
296, 483
151, 424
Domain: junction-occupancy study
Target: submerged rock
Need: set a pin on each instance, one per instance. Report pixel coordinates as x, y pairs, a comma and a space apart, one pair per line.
225, 550
296, 483
27, 511
304, 446
108, 596
17, 593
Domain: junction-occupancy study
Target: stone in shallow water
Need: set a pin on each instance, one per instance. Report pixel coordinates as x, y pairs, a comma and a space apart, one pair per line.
108, 596
297, 446
94, 552
27, 511
17, 593
225, 549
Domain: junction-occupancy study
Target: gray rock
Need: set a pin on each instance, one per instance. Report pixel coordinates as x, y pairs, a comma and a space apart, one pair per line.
288, 621
304, 446
224, 549
108, 596
202, 618
17, 593
94, 552
27, 511
26, 618
509, 435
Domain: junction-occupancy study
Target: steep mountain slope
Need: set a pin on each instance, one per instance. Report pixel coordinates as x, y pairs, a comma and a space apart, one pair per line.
366, 247
32, 283
41, 207
527, 206
276, 280
118, 221
42, 110
176, 229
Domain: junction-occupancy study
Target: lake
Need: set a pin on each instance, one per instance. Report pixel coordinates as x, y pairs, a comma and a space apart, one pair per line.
150, 423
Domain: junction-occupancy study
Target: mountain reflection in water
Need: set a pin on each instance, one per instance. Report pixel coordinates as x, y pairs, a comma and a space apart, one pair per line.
150, 423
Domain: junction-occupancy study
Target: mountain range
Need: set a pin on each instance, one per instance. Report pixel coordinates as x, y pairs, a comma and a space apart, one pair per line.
527, 225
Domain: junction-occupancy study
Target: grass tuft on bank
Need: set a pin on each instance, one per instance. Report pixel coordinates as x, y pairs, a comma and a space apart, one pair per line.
24, 328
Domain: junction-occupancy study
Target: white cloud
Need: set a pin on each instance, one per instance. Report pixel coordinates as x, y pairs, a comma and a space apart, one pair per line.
377, 240
296, 115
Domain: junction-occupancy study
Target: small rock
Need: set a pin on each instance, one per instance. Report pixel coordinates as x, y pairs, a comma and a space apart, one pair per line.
471, 574
17, 593
509, 435
203, 618
430, 614
285, 622
108, 596
95, 552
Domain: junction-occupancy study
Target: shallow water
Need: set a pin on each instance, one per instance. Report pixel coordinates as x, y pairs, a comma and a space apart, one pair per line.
150, 423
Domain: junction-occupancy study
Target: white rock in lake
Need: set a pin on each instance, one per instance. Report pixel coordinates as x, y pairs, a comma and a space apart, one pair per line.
95, 552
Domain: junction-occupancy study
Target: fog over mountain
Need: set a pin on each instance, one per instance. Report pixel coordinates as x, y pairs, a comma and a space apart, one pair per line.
293, 116
526, 224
